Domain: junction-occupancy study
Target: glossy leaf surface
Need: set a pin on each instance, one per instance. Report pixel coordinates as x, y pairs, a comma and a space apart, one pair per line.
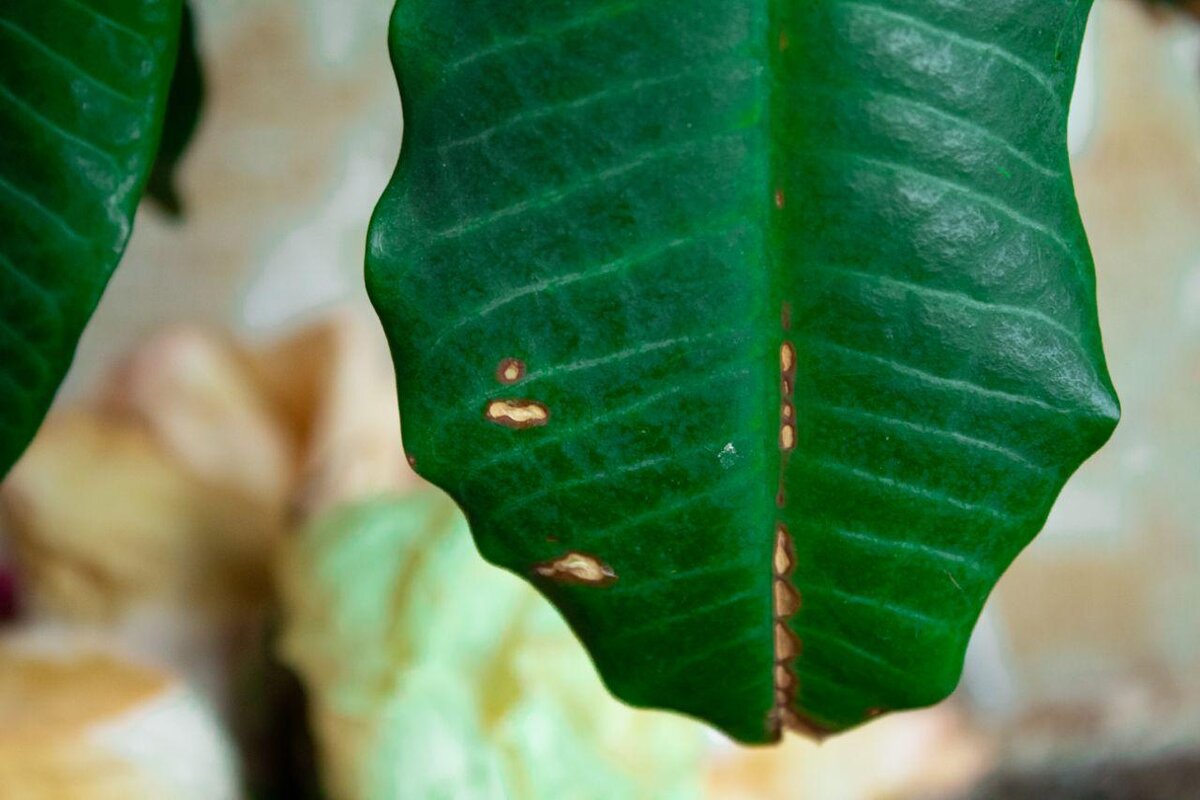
82, 87
760, 336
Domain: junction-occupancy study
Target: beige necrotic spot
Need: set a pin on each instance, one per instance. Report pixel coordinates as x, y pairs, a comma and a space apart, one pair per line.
783, 551
787, 357
786, 598
510, 370
577, 568
785, 643
787, 436
787, 602
517, 413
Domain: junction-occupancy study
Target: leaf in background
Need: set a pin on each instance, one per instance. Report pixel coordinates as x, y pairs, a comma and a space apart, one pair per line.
1187, 6
184, 101
760, 336
82, 88
431, 674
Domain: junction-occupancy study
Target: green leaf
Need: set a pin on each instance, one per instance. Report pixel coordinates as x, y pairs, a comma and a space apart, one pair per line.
82, 87
184, 102
613, 220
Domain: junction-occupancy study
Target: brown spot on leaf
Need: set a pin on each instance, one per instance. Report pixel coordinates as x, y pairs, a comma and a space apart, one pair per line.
787, 358
785, 643
798, 724
787, 437
787, 601
517, 413
510, 370
578, 568
783, 551
784, 678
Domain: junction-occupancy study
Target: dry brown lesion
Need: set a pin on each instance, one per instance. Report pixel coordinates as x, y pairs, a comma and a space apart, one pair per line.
786, 598
787, 436
787, 411
510, 371
787, 367
787, 646
517, 414
579, 568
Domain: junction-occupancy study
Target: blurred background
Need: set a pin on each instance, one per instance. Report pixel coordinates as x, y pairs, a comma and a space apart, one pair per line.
218, 578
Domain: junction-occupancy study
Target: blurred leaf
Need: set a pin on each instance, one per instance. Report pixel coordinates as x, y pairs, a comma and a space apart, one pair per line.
430, 674
1187, 6
706, 311
82, 89
80, 722
184, 101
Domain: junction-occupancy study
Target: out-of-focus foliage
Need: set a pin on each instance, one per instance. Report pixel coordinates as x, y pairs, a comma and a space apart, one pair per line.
184, 102
145, 518
80, 724
168, 491
433, 674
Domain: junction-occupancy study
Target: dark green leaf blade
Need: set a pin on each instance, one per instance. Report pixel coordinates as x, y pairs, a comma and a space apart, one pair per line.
688, 297
184, 103
82, 86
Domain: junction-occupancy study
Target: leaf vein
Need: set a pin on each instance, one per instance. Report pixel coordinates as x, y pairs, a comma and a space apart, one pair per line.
57, 57
957, 384
932, 432
44, 121
28, 200
581, 22
995, 203
912, 489
962, 40
552, 197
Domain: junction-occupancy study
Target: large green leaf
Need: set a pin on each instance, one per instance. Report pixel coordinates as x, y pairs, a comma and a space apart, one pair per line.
82, 86
761, 336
